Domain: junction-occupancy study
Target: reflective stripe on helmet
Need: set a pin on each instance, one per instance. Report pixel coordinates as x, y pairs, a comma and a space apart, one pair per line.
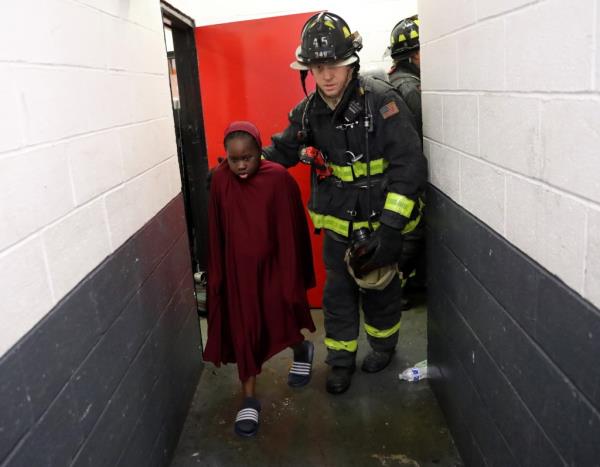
399, 204
348, 173
348, 346
381, 333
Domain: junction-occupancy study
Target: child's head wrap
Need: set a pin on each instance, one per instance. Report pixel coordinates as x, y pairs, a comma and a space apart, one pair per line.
246, 127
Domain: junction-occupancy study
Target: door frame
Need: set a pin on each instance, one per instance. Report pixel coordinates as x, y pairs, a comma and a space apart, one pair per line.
189, 128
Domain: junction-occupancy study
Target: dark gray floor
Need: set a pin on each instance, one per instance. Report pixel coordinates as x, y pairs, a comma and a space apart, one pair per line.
380, 421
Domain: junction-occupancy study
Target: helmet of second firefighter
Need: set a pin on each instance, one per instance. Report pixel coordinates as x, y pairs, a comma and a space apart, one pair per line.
404, 38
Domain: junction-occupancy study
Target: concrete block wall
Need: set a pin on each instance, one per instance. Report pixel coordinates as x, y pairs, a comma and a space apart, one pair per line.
87, 147
99, 341
511, 100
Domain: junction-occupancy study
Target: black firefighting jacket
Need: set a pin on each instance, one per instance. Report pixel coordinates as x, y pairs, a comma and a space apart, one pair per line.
340, 202
406, 78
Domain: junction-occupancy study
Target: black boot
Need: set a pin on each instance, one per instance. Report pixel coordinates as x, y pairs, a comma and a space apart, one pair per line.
339, 378
376, 361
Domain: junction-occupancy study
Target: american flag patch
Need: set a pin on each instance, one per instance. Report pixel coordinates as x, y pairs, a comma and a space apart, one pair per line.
389, 109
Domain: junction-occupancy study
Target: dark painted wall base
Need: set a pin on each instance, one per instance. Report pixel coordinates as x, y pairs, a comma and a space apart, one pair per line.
107, 376
513, 349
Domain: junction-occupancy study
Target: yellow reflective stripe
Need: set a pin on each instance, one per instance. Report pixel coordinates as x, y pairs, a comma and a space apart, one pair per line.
401, 38
346, 32
378, 166
414, 34
347, 173
399, 204
348, 346
343, 172
358, 225
337, 225
381, 333
412, 225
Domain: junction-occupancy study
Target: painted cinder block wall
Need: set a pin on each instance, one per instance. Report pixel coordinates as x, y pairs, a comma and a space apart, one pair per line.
99, 340
511, 97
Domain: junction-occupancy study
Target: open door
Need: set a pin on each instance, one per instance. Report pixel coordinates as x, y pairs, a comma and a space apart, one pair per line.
189, 127
246, 76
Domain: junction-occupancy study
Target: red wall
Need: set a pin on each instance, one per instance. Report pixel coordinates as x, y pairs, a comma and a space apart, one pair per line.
245, 75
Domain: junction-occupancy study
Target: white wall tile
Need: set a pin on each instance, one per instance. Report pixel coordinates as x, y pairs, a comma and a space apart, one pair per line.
48, 36
482, 192
460, 122
549, 227
151, 98
524, 200
125, 40
10, 112
54, 101
439, 65
96, 164
444, 169
545, 51
509, 133
36, 190
562, 231
592, 267
140, 12
487, 8
174, 175
117, 49
146, 145
432, 105
440, 17
131, 205
597, 76
75, 245
111, 99
571, 143
25, 294
481, 56
112, 7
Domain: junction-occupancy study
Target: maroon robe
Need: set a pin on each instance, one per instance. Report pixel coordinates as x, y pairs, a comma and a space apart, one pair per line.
259, 267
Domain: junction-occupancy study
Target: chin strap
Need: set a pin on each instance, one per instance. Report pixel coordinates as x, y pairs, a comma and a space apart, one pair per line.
303, 75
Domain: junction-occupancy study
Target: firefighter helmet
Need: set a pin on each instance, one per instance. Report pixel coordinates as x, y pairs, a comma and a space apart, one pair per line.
378, 279
404, 38
326, 38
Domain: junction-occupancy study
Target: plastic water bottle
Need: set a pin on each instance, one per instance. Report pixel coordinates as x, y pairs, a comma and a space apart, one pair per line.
415, 373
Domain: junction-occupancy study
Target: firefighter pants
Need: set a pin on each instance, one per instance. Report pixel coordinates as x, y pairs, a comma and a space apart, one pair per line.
342, 299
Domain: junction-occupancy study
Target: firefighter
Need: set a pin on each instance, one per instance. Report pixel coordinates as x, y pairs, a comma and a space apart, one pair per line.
367, 172
405, 74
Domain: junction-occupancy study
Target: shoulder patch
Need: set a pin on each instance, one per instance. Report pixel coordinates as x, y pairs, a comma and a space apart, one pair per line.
389, 110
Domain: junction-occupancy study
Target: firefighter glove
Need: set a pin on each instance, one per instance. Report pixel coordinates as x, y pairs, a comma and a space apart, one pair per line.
383, 249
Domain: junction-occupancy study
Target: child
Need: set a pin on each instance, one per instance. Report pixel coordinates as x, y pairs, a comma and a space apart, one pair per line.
259, 267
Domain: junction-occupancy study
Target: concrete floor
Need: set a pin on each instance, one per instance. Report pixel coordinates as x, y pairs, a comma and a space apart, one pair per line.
380, 421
